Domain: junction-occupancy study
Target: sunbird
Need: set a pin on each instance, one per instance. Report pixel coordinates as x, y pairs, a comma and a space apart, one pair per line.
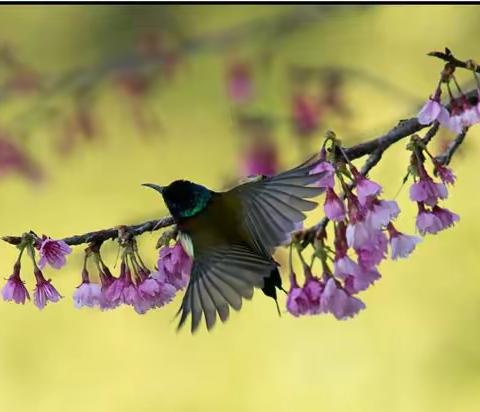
233, 235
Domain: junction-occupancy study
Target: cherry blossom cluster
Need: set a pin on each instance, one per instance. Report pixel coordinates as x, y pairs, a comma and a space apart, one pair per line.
364, 235
52, 253
136, 285
461, 111
428, 192
316, 93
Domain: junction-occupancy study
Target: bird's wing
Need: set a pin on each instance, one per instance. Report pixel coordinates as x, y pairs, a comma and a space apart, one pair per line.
273, 207
221, 276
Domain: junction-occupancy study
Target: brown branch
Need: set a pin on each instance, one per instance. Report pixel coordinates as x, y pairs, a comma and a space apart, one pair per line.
374, 147
101, 236
450, 58
447, 155
376, 156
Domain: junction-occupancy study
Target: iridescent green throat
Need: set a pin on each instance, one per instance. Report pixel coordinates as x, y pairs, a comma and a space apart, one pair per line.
200, 202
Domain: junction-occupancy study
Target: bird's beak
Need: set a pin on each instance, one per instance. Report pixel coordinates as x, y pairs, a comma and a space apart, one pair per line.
154, 186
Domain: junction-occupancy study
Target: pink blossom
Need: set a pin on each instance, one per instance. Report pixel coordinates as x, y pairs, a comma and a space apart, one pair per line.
427, 222
445, 173
455, 124
345, 266
447, 217
358, 234
432, 110
356, 277
363, 280
44, 291
381, 213
152, 293
372, 252
305, 114
366, 188
260, 159
297, 300
401, 245
174, 266
113, 294
427, 191
130, 294
470, 116
15, 290
328, 179
313, 289
165, 295
240, 86
337, 301
53, 252
334, 207
87, 294
149, 287
462, 115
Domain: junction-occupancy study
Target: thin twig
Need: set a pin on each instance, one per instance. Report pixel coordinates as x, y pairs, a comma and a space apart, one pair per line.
446, 156
450, 58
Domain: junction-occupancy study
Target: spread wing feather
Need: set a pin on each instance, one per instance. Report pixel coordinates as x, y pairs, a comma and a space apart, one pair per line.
273, 207
220, 278
270, 209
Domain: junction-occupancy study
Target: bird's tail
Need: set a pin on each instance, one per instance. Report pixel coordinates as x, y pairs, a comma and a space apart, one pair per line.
271, 284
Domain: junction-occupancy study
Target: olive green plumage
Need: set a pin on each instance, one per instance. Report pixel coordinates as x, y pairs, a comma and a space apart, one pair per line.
234, 234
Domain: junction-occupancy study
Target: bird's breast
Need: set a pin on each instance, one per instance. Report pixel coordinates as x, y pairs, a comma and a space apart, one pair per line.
219, 223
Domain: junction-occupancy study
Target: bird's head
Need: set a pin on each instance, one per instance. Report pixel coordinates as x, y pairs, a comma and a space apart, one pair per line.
184, 199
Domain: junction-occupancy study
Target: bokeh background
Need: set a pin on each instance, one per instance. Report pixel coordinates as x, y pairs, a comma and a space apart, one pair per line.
95, 100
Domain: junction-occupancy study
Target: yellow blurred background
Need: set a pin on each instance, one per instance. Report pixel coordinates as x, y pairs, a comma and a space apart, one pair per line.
415, 348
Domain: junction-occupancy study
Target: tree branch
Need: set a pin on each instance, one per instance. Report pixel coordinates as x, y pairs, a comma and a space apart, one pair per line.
374, 147
101, 236
446, 156
450, 58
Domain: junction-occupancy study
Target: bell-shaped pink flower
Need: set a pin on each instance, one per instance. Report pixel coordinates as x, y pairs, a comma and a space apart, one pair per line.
381, 213
427, 222
334, 207
313, 289
356, 277
131, 296
87, 294
174, 266
113, 294
358, 234
337, 301
328, 179
462, 115
366, 188
427, 191
445, 173
372, 252
470, 116
447, 217
53, 252
44, 291
153, 294
432, 110
366, 278
401, 245
15, 290
297, 300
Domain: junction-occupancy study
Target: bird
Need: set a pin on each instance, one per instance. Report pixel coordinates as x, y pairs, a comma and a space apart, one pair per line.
233, 235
